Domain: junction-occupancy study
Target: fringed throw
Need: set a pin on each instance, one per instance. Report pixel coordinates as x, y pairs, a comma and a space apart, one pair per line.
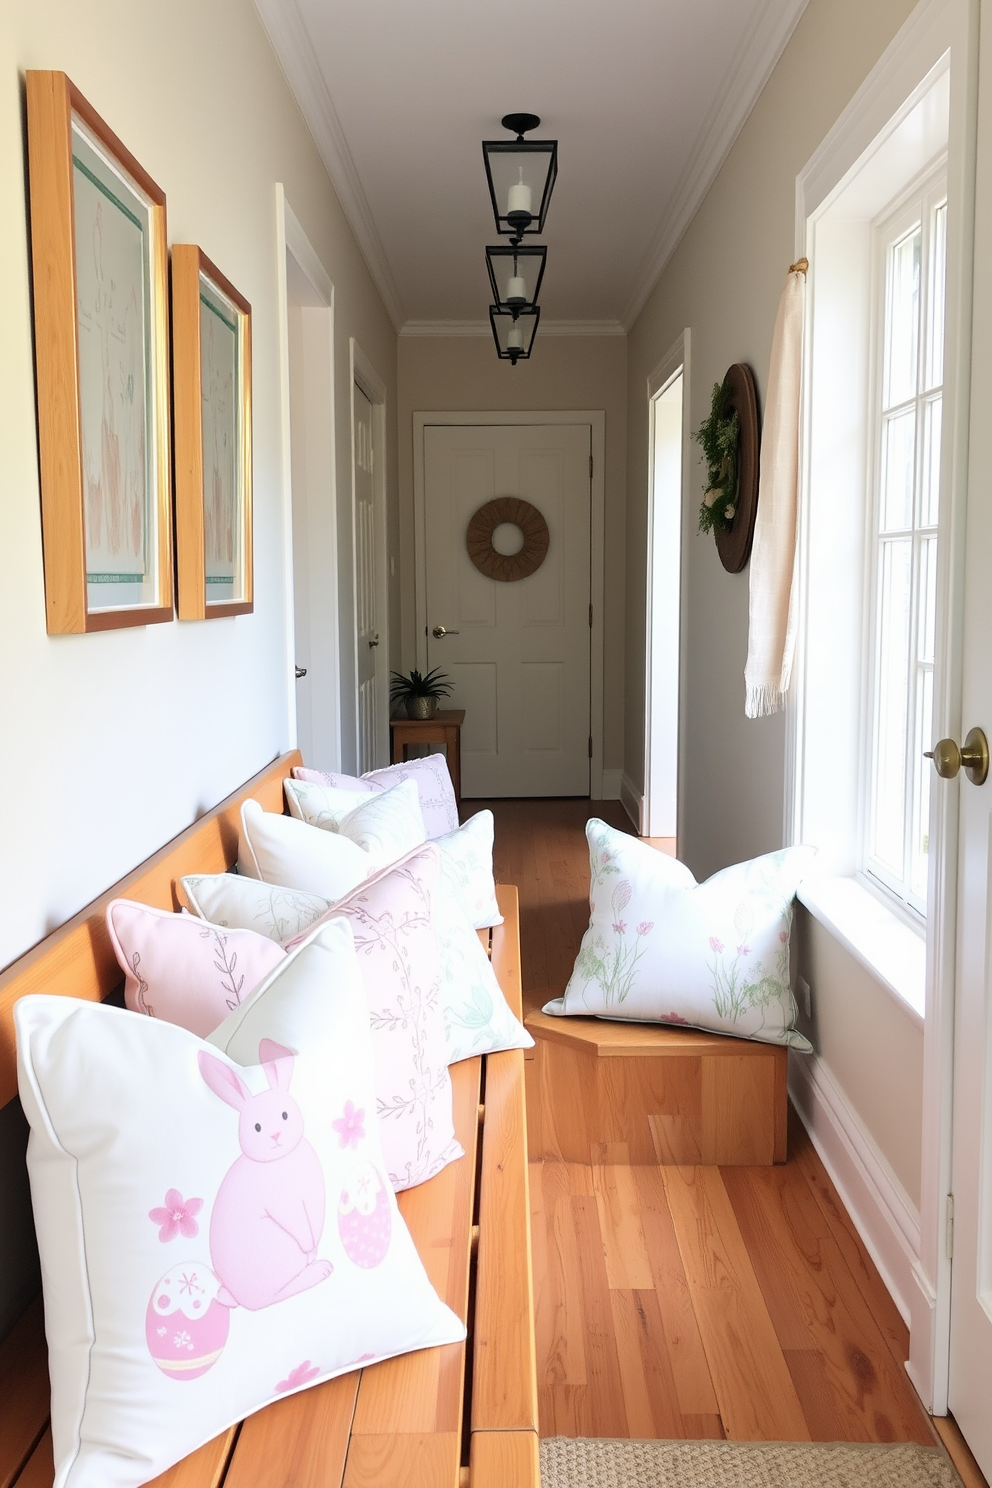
771, 634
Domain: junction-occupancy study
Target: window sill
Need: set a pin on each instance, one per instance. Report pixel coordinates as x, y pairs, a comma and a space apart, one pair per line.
894, 954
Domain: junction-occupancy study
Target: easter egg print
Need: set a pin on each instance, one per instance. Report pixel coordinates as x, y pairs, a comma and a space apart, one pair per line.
365, 1221
186, 1327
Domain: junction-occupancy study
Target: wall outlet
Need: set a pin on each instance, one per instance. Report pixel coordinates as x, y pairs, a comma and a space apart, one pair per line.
805, 996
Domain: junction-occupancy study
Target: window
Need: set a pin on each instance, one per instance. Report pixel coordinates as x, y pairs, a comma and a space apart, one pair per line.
909, 252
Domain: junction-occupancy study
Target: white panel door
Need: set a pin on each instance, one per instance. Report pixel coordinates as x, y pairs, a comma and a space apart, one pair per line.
366, 587
970, 1377
518, 653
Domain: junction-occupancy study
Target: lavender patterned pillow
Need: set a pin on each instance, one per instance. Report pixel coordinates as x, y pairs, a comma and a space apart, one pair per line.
437, 794
662, 948
182, 970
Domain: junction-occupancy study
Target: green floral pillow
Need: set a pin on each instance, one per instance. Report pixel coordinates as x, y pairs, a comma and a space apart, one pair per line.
662, 948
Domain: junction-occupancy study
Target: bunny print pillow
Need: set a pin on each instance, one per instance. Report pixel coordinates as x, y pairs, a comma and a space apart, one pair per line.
215, 1222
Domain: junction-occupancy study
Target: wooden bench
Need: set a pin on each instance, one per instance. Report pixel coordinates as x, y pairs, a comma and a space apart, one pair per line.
668, 1095
462, 1416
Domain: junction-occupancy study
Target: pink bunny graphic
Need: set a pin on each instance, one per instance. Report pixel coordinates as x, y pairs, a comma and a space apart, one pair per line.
269, 1212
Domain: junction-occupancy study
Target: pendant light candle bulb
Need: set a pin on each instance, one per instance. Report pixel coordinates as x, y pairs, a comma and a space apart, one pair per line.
515, 339
516, 291
519, 198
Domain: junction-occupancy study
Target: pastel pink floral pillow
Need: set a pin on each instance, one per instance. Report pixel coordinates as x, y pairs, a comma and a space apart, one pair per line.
662, 948
392, 920
437, 794
183, 970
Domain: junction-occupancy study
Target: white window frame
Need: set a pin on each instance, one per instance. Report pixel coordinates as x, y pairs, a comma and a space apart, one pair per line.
915, 206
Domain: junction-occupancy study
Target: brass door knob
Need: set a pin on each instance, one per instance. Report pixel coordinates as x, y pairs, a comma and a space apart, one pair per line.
374, 641
973, 754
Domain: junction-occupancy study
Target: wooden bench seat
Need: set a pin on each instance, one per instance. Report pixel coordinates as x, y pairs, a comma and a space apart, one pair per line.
668, 1095
461, 1416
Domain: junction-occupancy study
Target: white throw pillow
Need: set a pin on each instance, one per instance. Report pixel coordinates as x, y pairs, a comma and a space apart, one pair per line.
385, 824
467, 865
437, 794
191, 1275
477, 1019
248, 904
280, 850
662, 948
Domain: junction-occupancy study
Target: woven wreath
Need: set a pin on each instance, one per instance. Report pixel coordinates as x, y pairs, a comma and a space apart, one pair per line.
507, 568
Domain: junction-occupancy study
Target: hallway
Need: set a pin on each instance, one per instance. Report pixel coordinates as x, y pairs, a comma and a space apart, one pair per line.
677, 1302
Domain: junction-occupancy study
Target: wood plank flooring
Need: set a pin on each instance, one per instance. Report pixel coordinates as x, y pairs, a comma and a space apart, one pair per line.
690, 1302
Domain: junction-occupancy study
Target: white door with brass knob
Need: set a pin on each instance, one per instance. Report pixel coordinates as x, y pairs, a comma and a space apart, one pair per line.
969, 1217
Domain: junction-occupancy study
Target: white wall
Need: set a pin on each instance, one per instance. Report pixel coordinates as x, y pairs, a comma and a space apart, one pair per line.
111, 743
724, 282
456, 373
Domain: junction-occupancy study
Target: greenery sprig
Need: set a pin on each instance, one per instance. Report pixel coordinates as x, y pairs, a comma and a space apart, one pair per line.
719, 436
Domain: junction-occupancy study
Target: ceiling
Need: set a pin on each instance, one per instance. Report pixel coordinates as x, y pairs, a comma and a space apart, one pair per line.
644, 96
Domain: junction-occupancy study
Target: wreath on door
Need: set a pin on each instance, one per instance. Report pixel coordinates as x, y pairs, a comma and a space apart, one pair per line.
507, 568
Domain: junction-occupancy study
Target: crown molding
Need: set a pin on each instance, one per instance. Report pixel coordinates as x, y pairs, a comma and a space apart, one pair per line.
483, 328
741, 88
291, 43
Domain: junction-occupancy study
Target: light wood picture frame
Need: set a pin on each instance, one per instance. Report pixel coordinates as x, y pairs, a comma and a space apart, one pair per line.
100, 277
211, 372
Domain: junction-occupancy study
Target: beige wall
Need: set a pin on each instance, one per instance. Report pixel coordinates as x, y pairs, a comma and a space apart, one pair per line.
459, 373
724, 283
111, 743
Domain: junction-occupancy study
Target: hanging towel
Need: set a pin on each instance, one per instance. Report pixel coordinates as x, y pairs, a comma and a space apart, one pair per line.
771, 632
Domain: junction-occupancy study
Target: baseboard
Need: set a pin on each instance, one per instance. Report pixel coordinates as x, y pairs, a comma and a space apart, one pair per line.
882, 1211
631, 799
611, 785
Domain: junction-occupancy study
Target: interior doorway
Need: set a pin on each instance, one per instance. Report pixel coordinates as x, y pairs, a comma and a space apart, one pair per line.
368, 461
667, 437
308, 412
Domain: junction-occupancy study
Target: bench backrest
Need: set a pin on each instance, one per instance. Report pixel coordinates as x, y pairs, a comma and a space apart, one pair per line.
77, 959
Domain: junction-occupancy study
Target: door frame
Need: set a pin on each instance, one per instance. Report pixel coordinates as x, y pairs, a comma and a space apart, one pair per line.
292, 240
676, 361
595, 419
364, 374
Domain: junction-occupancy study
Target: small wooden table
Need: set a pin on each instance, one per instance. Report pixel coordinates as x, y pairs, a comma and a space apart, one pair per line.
444, 728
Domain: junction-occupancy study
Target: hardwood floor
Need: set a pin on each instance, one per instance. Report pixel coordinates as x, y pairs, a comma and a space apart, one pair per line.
690, 1302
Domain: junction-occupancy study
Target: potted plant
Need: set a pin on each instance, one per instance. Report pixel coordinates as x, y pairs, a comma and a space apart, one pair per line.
420, 695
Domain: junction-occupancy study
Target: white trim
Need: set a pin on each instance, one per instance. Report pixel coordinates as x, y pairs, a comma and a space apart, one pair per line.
630, 799
364, 374
290, 40
767, 37
484, 329
883, 1213
612, 785
677, 359
596, 419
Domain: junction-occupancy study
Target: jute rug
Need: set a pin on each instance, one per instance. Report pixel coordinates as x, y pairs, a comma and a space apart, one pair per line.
568, 1462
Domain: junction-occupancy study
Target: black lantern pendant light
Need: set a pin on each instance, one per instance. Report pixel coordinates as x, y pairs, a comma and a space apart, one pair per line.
514, 334
521, 175
515, 273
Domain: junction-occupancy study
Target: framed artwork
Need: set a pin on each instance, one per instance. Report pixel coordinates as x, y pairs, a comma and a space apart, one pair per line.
100, 271
211, 374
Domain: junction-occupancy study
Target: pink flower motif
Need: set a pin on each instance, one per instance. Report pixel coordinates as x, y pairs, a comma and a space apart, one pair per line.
620, 927
743, 950
645, 927
674, 1018
351, 1126
177, 1217
782, 936
605, 857
301, 1375
621, 896
716, 945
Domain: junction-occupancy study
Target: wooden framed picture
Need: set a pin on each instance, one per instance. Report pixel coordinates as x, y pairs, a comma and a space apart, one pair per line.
100, 271
211, 375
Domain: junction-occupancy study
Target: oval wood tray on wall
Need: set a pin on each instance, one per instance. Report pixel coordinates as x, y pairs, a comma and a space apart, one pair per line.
734, 543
